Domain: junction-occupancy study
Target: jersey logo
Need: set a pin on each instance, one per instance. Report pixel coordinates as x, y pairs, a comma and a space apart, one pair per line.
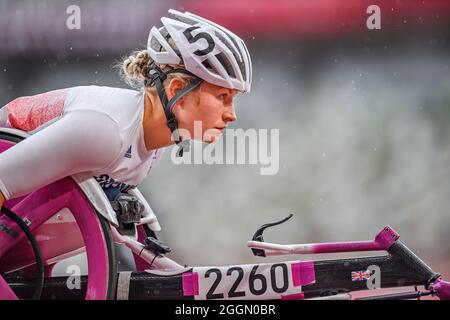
128, 153
105, 181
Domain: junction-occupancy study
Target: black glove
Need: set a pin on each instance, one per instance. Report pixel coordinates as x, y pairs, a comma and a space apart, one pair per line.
128, 208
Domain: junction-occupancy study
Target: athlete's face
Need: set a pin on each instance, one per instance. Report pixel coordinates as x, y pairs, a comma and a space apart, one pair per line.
206, 112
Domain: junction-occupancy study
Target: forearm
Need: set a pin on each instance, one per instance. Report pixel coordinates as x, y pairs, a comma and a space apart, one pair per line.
71, 145
2, 199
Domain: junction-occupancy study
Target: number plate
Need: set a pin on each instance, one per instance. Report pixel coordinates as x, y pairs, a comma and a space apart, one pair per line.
251, 281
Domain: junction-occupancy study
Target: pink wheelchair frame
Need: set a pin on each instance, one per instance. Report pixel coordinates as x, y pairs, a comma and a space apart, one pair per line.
73, 215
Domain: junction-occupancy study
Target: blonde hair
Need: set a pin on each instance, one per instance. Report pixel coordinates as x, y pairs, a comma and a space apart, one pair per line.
134, 70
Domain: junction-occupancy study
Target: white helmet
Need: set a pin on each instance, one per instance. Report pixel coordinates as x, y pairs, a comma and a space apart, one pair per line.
207, 50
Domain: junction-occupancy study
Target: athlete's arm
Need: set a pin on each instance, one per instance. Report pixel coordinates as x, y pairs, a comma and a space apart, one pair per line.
81, 141
2, 199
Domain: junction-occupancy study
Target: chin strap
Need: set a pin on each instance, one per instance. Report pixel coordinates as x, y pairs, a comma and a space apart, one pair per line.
157, 77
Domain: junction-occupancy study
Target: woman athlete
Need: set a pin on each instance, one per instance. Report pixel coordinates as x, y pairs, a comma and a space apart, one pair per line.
191, 71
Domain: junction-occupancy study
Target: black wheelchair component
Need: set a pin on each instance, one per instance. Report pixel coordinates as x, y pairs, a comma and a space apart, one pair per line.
156, 246
258, 236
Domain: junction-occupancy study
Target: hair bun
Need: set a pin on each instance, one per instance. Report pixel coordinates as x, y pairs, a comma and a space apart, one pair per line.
135, 67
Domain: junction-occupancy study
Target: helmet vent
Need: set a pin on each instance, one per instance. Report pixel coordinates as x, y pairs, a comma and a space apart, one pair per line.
226, 63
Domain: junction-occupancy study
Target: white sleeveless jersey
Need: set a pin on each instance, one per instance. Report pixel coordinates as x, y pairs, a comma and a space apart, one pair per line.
82, 129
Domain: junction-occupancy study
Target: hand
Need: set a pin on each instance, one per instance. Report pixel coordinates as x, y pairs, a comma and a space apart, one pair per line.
128, 208
2, 199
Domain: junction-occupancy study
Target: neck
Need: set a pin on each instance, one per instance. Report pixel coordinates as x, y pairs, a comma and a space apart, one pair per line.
156, 133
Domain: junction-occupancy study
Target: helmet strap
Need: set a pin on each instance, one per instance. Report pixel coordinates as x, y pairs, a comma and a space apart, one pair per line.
157, 77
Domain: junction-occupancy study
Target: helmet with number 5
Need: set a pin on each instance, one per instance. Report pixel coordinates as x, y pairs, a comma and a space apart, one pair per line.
207, 50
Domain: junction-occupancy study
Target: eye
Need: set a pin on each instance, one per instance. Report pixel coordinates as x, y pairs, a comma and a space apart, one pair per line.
223, 96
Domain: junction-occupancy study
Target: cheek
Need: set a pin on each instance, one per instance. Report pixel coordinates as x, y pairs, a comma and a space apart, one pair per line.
208, 112
206, 109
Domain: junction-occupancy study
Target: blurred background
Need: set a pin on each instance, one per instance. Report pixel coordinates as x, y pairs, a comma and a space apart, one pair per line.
364, 117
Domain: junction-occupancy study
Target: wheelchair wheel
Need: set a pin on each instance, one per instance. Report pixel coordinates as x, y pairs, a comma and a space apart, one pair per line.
65, 225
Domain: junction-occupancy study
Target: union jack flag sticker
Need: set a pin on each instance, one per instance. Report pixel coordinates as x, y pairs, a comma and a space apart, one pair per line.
360, 275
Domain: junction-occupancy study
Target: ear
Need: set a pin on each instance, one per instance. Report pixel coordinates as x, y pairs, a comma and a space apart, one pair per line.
175, 85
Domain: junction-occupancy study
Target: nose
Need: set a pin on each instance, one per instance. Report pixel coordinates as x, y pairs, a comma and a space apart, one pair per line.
229, 115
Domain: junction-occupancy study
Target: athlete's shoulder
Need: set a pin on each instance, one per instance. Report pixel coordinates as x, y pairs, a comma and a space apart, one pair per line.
122, 105
105, 92
29, 112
